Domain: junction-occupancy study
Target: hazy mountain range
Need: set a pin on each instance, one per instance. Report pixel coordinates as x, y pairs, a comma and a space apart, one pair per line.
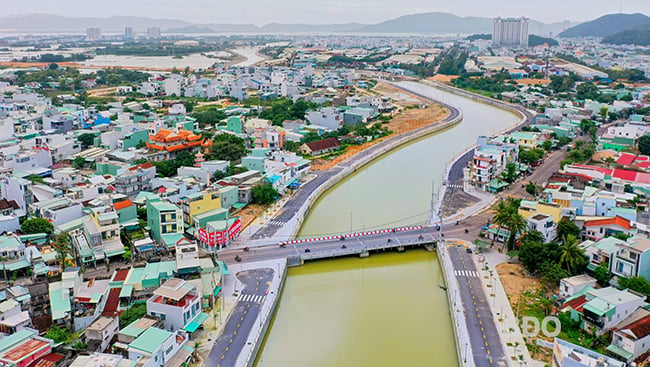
607, 25
426, 23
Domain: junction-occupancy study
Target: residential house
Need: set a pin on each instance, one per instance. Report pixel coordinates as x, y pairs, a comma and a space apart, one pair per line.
57, 210
602, 309
527, 139
328, 117
135, 179
631, 338
156, 347
544, 224
572, 285
23, 348
99, 335
597, 228
102, 360
177, 303
601, 252
319, 147
12, 317
164, 218
199, 203
632, 258
566, 354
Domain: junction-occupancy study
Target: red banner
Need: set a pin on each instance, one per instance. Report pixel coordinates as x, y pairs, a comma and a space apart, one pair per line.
219, 237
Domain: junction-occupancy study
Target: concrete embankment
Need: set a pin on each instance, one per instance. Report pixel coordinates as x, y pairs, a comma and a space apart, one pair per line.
455, 116
250, 350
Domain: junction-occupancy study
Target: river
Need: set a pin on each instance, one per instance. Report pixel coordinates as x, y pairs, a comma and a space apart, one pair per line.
386, 310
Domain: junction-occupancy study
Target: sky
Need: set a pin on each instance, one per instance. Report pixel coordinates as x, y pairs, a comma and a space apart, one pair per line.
262, 12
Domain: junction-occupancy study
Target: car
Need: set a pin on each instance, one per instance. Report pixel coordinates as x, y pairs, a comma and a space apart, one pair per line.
469, 250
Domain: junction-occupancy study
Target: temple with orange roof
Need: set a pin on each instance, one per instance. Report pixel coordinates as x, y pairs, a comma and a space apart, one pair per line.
168, 143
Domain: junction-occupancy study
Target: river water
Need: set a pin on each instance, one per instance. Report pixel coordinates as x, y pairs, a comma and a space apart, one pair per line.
386, 310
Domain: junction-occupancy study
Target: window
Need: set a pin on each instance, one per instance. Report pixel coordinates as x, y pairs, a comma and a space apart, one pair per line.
169, 350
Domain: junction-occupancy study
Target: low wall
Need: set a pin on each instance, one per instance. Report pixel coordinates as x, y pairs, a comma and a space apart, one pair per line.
386, 147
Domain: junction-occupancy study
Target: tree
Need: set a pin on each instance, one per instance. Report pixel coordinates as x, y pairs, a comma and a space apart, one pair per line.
516, 224
571, 255
552, 273
530, 156
602, 274
603, 113
58, 334
532, 188
79, 162
586, 125
534, 254
587, 90
134, 313
566, 227
36, 225
638, 284
609, 161
227, 147
86, 140
644, 144
547, 145
264, 193
506, 215
510, 173
62, 248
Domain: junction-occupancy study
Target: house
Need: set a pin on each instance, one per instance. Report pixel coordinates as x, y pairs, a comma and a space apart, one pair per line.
12, 317
199, 203
178, 303
490, 159
99, 334
601, 252
320, 147
631, 338
23, 348
526, 139
544, 224
57, 210
136, 328
572, 285
135, 179
102, 360
602, 309
156, 347
187, 257
598, 228
166, 144
164, 218
632, 258
89, 301
566, 354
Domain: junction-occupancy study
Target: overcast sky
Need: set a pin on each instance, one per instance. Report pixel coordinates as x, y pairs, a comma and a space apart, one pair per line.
261, 12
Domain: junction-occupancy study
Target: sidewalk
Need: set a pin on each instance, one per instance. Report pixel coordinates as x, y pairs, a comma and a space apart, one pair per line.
507, 324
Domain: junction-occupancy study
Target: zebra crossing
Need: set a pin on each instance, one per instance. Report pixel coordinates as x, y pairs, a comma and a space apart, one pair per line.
460, 187
251, 298
466, 273
275, 223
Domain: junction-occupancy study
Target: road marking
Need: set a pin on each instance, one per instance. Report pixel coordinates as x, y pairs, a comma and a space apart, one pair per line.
234, 332
227, 348
238, 325
230, 340
223, 356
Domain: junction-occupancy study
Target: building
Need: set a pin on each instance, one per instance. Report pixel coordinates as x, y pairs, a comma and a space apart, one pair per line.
135, 179
128, 33
631, 338
99, 334
153, 33
566, 354
572, 285
93, 34
102, 360
632, 258
510, 32
166, 144
177, 303
164, 218
602, 309
199, 203
12, 317
23, 348
319, 147
157, 347
544, 224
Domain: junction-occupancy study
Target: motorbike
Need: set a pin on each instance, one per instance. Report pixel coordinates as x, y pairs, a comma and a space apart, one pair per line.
307, 249
247, 248
237, 258
283, 245
344, 247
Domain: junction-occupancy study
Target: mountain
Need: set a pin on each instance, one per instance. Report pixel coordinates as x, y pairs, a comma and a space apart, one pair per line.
431, 23
606, 25
305, 28
56, 23
639, 36
190, 29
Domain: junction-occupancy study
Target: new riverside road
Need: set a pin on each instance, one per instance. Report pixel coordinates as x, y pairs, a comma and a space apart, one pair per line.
236, 332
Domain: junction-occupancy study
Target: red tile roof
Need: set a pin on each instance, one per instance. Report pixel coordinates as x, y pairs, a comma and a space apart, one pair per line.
626, 159
625, 175
576, 303
120, 275
317, 146
619, 221
639, 328
112, 302
122, 204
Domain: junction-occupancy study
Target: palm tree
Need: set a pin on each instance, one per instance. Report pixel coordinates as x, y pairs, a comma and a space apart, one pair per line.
501, 213
62, 247
571, 254
516, 224
609, 161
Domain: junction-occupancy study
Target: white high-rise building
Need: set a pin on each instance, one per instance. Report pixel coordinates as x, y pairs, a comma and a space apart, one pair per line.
510, 32
153, 32
128, 33
93, 34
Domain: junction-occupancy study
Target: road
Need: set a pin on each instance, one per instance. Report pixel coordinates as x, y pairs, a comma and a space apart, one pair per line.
236, 332
483, 334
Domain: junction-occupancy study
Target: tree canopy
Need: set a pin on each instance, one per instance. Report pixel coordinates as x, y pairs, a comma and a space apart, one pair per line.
36, 225
227, 147
264, 193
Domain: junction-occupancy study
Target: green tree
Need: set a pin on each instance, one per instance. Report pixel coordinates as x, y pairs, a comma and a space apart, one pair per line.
79, 162
638, 284
547, 145
603, 113
552, 273
86, 140
58, 334
227, 147
532, 188
510, 173
644, 144
609, 161
36, 225
530, 156
516, 224
567, 228
587, 90
602, 274
62, 248
571, 255
586, 125
264, 193
136, 312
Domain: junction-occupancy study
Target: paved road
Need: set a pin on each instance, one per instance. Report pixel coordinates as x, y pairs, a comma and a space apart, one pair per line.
483, 334
236, 332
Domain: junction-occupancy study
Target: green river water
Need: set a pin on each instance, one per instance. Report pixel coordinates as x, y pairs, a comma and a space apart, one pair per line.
385, 310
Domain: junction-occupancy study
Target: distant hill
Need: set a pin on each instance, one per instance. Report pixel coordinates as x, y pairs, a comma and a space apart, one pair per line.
431, 23
56, 23
191, 29
606, 25
534, 40
639, 36
298, 28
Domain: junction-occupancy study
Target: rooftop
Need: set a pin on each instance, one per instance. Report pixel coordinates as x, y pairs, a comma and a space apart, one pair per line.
150, 340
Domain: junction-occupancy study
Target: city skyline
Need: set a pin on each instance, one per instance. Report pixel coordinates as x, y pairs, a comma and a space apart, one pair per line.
261, 12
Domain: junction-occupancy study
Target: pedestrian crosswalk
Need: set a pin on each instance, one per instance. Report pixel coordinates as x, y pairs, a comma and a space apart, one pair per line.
460, 187
251, 298
275, 223
466, 273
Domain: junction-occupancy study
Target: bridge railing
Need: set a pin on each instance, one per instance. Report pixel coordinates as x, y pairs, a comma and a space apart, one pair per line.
352, 235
